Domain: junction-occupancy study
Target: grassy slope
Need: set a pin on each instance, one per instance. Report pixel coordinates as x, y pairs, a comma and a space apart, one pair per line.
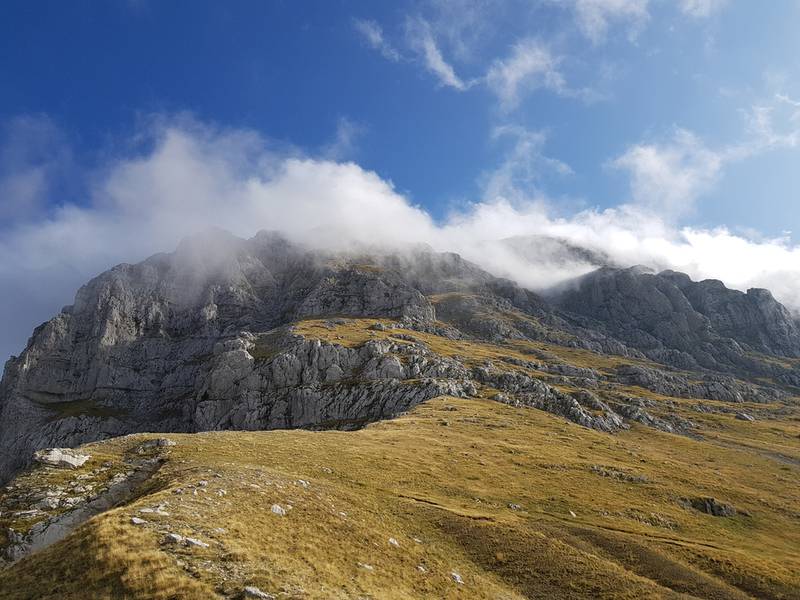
444, 474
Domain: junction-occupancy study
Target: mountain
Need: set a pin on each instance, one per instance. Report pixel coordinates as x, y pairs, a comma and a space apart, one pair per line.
265, 333
685, 323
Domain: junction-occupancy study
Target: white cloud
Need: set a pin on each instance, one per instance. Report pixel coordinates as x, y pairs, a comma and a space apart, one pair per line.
34, 158
516, 178
669, 177
373, 34
595, 17
772, 124
530, 66
192, 176
701, 8
422, 41
343, 145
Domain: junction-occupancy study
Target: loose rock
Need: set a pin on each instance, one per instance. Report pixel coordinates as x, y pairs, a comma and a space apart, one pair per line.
61, 457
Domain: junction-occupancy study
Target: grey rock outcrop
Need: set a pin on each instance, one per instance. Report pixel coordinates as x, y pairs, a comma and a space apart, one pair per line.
687, 324
61, 457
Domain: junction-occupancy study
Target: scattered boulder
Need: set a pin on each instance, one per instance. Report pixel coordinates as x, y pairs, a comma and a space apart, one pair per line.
137, 521
48, 503
277, 509
253, 592
710, 506
745, 417
61, 457
457, 578
173, 538
195, 542
154, 445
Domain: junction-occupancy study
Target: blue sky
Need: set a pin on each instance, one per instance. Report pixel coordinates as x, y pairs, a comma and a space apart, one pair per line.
684, 113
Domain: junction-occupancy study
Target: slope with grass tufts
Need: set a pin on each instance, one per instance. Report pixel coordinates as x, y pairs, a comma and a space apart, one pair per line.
459, 498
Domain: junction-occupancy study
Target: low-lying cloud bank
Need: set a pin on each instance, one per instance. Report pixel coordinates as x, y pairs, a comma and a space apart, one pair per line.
193, 176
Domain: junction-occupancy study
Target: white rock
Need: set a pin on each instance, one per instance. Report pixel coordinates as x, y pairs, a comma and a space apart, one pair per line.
137, 521
47, 503
394, 542
173, 538
572, 514
456, 577
253, 592
366, 566
195, 542
278, 510
61, 457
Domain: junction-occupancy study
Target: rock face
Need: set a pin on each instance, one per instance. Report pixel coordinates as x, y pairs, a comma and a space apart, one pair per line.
202, 339
684, 323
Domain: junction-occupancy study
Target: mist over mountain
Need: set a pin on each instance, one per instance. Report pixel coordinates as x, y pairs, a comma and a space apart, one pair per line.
190, 176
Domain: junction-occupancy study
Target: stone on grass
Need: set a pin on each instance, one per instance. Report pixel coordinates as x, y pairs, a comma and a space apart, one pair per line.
154, 444
47, 503
456, 577
61, 457
394, 542
173, 538
711, 506
137, 521
196, 542
745, 417
278, 510
253, 592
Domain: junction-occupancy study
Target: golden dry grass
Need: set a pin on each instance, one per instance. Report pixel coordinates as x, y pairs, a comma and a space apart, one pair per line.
444, 474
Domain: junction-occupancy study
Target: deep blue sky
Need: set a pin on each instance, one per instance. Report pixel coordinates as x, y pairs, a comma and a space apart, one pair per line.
291, 70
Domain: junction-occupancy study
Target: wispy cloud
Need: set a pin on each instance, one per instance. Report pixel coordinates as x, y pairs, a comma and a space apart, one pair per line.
421, 40
34, 159
373, 35
700, 9
772, 124
530, 66
343, 145
516, 178
668, 177
595, 17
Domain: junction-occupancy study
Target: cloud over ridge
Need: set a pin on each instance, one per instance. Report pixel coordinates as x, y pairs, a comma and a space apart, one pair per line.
192, 176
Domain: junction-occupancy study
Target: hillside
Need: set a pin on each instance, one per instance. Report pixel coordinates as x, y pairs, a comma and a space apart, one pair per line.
517, 502
447, 433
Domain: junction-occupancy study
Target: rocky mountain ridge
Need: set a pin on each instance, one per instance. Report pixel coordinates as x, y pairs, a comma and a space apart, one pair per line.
211, 337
